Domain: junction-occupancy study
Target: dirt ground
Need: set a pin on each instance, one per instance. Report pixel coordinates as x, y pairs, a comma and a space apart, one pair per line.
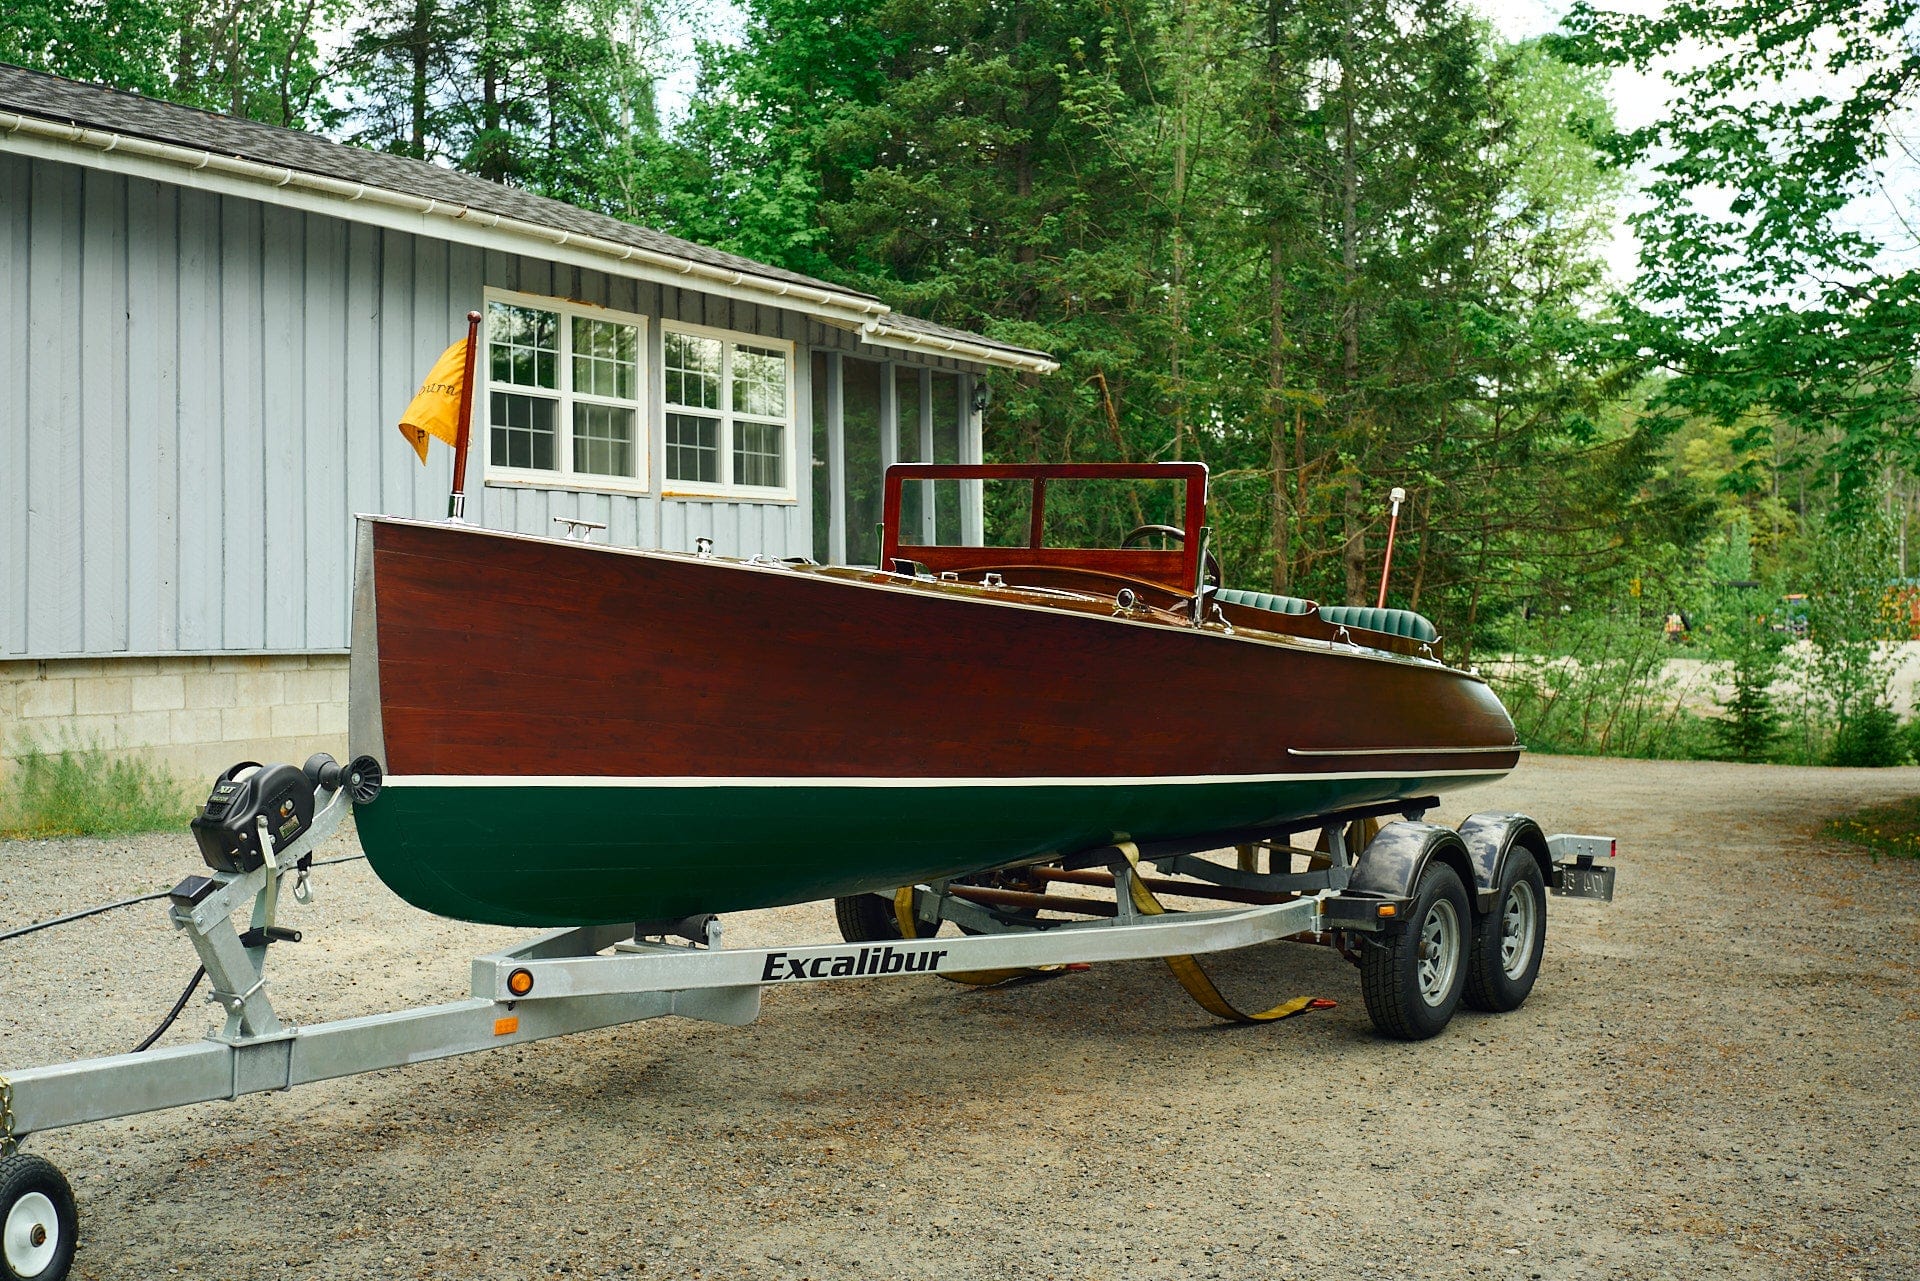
1718, 1075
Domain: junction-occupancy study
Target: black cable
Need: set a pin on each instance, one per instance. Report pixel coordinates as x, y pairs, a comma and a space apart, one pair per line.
179, 1005
25, 930
80, 916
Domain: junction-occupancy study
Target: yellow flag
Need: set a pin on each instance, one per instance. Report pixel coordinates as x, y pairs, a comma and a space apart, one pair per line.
435, 410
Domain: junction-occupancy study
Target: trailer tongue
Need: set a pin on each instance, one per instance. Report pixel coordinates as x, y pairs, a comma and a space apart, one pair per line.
1431, 917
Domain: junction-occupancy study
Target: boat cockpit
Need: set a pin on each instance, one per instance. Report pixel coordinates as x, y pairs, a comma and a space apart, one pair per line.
1161, 565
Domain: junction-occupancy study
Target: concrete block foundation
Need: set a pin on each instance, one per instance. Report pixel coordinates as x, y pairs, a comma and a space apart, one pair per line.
193, 715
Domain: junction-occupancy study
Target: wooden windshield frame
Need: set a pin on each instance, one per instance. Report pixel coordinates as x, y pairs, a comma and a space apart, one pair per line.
1177, 570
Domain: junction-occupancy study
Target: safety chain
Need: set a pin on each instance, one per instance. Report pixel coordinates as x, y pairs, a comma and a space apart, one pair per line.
8, 1144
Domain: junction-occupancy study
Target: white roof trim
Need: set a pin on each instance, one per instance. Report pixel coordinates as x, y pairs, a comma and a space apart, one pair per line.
420, 215
879, 333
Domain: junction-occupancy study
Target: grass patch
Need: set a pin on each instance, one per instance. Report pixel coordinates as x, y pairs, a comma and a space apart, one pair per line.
1885, 829
82, 791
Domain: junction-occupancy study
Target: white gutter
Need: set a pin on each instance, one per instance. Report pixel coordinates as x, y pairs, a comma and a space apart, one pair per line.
879, 333
764, 289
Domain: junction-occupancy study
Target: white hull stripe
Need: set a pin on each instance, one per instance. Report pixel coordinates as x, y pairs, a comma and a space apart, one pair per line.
816, 781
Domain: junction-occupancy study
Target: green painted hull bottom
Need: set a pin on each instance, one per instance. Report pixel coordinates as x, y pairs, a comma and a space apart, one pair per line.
589, 855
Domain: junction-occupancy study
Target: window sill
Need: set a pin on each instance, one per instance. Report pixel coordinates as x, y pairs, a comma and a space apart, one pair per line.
761, 496
570, 484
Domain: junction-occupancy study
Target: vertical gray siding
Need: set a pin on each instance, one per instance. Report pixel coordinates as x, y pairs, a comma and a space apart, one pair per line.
197, 392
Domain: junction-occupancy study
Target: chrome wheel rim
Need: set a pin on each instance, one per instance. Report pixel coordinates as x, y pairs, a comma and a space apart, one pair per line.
1439, 952
1519, 924
32, 1235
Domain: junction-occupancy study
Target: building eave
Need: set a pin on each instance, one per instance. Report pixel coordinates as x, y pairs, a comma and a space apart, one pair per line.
878, 333
401, 211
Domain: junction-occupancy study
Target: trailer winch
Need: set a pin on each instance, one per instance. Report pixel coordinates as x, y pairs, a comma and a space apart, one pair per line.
1431, 916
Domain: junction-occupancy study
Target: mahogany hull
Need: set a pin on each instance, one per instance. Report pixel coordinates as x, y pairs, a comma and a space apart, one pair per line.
576, 734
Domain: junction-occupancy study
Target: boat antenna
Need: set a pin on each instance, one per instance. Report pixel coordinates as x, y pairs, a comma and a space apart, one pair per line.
1397, 497
457, 500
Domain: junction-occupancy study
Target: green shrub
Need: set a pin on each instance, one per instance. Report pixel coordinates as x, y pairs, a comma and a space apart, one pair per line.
1871, 737
82, 791
1598, 685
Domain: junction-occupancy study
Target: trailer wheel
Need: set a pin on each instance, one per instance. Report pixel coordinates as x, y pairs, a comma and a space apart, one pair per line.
1412, 978
1508, 940
38, 1221
866, 918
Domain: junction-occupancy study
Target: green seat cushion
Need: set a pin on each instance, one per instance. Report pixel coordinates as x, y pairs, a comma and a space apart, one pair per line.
1394, 622
1264, 600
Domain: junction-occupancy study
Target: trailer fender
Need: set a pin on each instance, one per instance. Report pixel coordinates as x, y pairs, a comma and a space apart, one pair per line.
1392, 862
1491, 839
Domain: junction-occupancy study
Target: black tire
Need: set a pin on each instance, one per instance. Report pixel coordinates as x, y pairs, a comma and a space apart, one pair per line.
39, 1224
1407, 998
1499, 979
866, 918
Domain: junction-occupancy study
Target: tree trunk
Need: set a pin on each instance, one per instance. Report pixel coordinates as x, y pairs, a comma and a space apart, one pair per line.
418, 40
492, 164
1276, 390
1354, 550
1277, 320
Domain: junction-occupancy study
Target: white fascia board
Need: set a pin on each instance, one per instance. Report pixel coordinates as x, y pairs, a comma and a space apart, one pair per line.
877, 333
416, 215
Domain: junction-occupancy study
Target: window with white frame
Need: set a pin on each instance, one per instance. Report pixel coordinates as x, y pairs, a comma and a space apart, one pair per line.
564, 398
728, 401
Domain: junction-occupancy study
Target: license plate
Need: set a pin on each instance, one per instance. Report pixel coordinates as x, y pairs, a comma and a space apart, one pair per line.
1593, 881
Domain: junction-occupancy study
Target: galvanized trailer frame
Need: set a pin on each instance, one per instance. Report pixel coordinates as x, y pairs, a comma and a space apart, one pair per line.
575, 980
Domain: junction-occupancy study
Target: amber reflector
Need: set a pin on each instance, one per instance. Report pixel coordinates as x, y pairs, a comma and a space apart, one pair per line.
507, 1026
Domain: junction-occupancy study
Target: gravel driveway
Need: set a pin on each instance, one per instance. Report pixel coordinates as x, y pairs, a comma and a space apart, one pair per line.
1718, 1075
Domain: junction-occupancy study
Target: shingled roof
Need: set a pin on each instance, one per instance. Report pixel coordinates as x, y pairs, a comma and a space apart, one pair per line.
130, 115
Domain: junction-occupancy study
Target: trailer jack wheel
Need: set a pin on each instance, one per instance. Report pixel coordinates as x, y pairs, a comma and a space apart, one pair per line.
1413, 981
38, 1221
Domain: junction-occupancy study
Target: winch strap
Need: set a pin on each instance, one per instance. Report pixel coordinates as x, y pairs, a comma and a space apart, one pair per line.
1188, 972
909, 928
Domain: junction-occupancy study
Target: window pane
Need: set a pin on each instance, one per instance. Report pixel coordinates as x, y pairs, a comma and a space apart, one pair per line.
605, 357
523, 345
860, 411
946, 449
906, 400
603, 440
522, 430
759, 382
822, 472
756, 454
693, 448
692, 368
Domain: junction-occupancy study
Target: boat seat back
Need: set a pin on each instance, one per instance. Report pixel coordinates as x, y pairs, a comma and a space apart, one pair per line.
1394, 622
1265, 600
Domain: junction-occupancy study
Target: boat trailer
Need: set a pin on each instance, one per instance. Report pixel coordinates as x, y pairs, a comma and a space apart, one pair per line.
1431, 917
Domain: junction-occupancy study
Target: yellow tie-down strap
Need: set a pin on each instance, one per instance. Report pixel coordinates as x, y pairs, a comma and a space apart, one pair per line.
1192, 977
909, 928
1185, 968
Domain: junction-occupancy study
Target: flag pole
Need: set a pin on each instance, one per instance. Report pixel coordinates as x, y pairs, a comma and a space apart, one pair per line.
1398, 496
457, 500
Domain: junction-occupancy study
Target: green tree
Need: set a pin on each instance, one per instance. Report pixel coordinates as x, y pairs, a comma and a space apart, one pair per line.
259, 60
1760, 286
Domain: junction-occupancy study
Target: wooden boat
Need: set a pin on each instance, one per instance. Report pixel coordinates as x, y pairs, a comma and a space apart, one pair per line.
577, 734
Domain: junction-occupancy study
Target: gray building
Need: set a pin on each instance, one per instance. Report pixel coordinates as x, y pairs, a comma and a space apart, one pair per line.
211, 326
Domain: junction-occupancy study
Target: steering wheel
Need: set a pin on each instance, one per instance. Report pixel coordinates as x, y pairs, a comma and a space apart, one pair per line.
1210, 566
